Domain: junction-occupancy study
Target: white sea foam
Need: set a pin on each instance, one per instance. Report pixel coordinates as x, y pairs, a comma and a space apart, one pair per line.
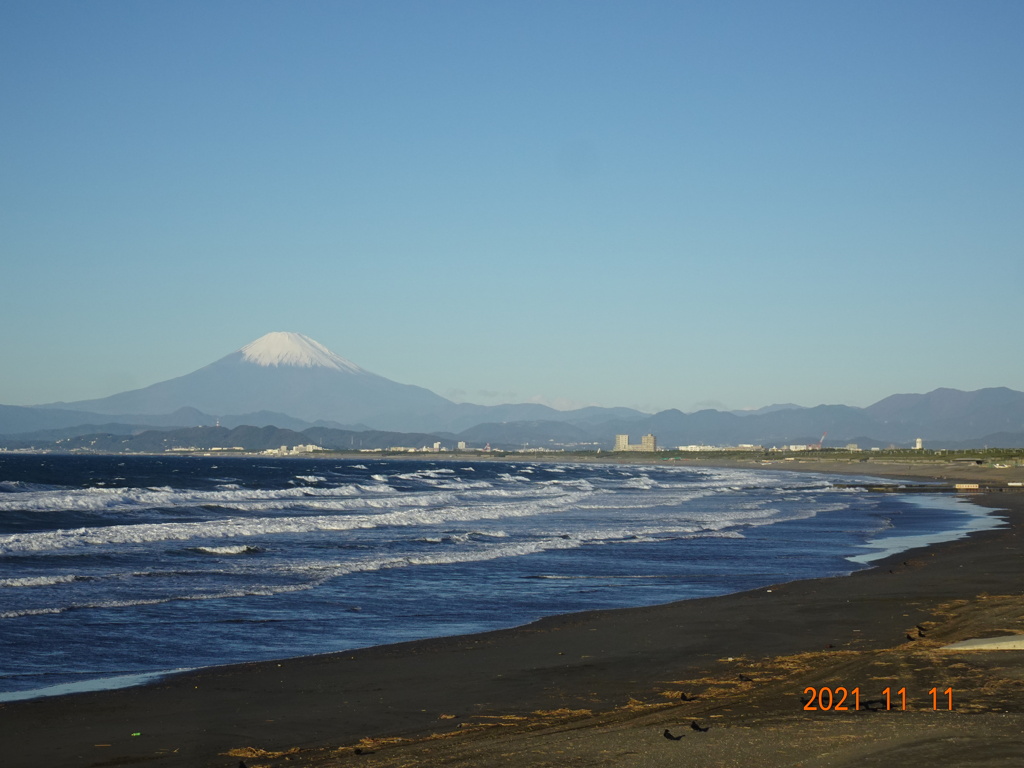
440, 510
32, 612
18, 486
462, 537
421, 473
643, 482
238, 549
130, 499
38, 581
459, 484
581, 483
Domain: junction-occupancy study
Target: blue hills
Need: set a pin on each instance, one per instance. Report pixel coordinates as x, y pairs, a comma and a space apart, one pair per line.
291, 382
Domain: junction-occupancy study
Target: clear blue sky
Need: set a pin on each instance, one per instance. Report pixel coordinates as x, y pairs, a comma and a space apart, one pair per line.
650, 204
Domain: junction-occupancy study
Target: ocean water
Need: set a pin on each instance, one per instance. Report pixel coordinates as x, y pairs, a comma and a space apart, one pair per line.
116, 568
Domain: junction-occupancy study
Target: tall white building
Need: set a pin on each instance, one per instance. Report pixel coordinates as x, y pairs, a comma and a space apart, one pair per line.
648, 443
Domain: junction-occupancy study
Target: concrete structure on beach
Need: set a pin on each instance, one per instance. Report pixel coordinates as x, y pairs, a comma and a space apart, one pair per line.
647, 443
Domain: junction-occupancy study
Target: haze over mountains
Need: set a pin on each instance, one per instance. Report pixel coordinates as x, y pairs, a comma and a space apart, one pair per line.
289, 381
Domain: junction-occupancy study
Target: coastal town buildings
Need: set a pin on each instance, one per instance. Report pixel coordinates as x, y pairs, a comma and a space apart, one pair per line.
297, 450
707, 448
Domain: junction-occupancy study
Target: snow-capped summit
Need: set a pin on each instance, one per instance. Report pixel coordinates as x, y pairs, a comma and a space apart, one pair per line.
294, 349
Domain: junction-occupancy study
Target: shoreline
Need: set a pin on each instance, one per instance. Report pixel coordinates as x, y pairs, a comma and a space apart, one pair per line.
874, 551
871, 552
592, 671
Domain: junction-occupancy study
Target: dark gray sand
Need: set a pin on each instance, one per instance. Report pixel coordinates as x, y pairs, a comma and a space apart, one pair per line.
601, 688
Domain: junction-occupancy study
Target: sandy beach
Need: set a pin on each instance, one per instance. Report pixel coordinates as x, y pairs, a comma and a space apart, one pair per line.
602, 688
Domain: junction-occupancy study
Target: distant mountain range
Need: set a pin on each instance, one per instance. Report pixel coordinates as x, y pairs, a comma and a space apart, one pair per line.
290, 382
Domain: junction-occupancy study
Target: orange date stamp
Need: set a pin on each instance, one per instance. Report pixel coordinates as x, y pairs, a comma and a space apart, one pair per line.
844, 699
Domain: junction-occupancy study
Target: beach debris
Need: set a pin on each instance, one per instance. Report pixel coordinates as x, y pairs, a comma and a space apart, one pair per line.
257, 752
558, 713
635, 705
137, 733
368, 744
695, 726
495, 721
668, 735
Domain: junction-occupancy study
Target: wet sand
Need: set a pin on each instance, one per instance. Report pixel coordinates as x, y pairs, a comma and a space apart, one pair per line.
600, 688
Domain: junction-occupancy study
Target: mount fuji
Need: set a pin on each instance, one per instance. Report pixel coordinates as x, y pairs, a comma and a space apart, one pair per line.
286, 373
